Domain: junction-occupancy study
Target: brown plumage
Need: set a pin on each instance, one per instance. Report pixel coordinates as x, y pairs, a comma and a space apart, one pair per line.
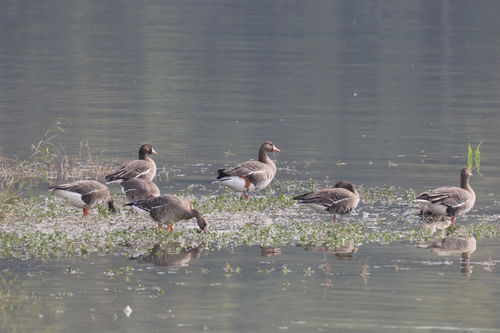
144, 167
449, 200
250, 176
169, 209
85, 194
340, 199
136, 189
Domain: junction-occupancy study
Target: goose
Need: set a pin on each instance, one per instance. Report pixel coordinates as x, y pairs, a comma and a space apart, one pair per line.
168, 209
340, 199
85, 194
250, 176
136, 189
144, 167
449, 200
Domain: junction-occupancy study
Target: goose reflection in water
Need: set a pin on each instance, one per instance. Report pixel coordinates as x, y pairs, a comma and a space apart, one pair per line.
167, 256
454, 245
345, 252
269, 251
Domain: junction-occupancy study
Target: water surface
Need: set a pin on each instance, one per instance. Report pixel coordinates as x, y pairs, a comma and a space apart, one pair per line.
376, 92
403, 289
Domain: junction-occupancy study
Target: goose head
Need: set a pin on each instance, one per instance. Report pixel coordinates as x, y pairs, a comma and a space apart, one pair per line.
464, 177
202, 223
111, 206
345, 184
146, 149
268, 146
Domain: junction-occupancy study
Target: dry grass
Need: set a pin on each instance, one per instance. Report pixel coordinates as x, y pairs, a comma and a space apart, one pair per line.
49, 161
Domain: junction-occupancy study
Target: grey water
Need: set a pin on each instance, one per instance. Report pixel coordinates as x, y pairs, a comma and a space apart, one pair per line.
405, 289
376, 92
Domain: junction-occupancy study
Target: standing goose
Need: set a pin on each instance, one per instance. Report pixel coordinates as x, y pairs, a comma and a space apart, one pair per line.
449, 200
144, 167
340, 199
250, 176
136, 189
85, 194
169, 209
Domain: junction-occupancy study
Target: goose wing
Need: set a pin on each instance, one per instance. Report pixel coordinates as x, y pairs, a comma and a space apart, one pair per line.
244, 169
449, 196
83, 187
330, 198
164, 208
89, 190
130, 169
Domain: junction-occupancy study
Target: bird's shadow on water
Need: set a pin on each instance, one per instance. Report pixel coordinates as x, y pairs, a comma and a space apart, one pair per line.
169, 255
449, 240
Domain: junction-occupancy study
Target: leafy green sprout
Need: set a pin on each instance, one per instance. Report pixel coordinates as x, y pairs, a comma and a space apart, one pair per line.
474, 157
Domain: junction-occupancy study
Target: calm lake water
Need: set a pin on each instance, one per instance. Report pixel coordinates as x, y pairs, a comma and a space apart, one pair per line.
376, 92
405, 290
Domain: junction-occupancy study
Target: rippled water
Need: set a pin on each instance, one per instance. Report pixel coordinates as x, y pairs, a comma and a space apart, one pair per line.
376, 92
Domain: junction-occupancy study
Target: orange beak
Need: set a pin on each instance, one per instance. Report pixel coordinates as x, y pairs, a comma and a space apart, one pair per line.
276, 149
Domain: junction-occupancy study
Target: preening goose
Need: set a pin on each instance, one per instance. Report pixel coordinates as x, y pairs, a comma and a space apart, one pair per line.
169, 209
250, 176
340, 199
85, 194
136, 189
144, 167
449, 200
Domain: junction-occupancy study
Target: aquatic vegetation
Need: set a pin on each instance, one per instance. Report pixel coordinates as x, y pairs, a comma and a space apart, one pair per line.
230, 203
38, 226
44, 229
474, 157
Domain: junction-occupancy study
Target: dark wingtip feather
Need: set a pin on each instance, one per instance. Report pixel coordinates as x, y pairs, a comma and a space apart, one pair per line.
110, 178
222, 173
301, 197
135, 203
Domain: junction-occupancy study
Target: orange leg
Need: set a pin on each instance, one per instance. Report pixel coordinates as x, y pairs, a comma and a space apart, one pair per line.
246, 186
86, 211
453, 220
170, 227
